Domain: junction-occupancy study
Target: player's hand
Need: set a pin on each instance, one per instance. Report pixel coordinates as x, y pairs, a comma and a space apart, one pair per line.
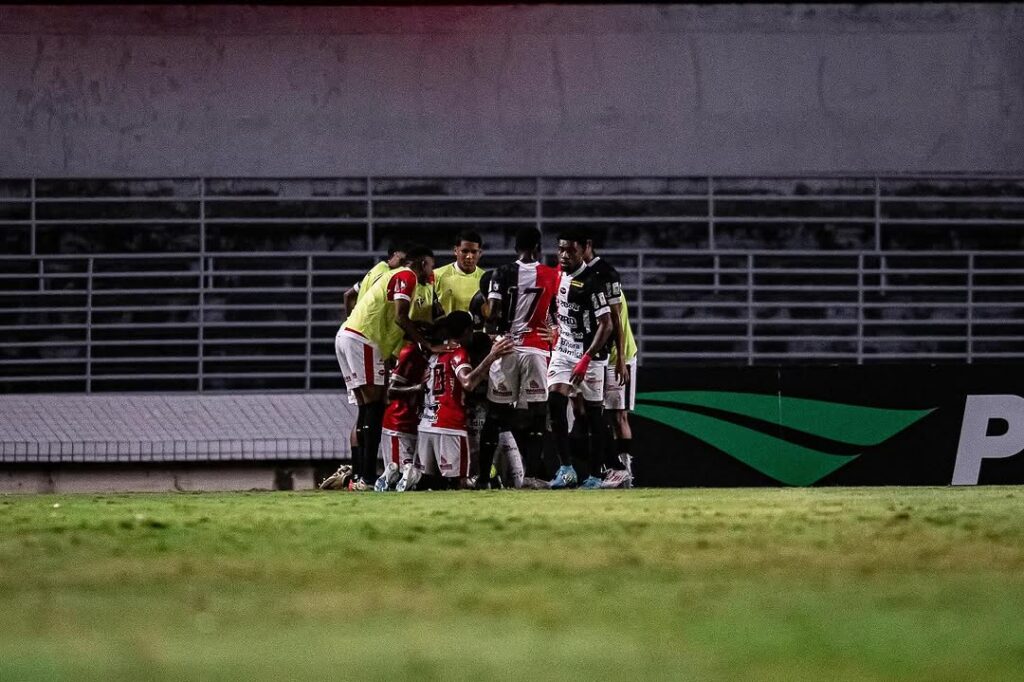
503, 347
621, 371
546, 333
580, 370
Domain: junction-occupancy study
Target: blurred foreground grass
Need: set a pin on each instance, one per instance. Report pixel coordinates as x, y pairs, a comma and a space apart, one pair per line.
828, 583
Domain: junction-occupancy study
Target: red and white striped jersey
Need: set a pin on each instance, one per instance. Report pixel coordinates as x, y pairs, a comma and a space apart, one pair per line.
525, 292
445, 408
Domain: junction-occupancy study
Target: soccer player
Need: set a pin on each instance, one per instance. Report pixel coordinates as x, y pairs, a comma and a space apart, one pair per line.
456, 283
401, 418
521, 294
341, 478
617, 382
372, 333
579, 358
443, 446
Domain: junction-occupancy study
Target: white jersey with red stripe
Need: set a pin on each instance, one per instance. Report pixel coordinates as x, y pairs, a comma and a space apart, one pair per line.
525, 292
444, 410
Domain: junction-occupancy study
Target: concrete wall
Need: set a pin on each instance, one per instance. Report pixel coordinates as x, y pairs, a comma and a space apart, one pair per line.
150, 91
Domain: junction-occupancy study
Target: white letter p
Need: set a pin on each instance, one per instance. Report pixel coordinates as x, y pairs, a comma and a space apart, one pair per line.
976, 444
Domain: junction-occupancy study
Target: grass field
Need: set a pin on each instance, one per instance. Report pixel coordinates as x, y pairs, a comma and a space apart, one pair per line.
810, 584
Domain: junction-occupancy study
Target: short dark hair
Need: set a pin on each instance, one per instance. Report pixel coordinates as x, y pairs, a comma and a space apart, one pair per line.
417, 251
469, 236
527, 239
456, 323
396, 247
573, 234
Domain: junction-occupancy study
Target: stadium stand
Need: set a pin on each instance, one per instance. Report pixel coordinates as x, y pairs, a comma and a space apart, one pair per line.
200, 286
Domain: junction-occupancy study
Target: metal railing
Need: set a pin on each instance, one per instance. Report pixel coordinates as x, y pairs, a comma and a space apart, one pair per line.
236, 284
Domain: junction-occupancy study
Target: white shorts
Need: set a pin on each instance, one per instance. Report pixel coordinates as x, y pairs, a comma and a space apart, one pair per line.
443, 453
518, 378
397, 447
592, 386
618, 397
359, 359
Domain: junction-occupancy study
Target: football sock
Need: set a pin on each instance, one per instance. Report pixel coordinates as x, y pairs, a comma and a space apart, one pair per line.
371, 439
599, 436
558, 404
357, 450
488, 444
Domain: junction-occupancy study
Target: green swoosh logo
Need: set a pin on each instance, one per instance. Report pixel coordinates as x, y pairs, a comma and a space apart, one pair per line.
782, 460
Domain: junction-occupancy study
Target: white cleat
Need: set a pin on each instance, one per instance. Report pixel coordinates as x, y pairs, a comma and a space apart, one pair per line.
410, 477
387, 481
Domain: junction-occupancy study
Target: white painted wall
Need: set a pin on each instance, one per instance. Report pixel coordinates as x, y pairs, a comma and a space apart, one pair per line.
519, 90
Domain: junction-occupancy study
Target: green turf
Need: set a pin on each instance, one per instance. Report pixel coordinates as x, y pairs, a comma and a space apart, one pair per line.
812, 584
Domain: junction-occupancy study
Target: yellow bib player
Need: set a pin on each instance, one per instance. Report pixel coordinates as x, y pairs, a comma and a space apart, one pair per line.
456, 283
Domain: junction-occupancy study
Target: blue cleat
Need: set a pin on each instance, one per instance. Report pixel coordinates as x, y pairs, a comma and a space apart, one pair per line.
565, 477
592, 483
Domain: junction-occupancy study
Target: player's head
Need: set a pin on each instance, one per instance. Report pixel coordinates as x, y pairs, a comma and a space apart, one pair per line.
458, 326
571, 243
420, 260
528, 242
469, 247
589, 248
396, 255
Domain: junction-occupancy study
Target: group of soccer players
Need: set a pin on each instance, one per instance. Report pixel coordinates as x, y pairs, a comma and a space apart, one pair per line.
459, 374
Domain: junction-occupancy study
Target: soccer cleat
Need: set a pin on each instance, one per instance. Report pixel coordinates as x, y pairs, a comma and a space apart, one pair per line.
627, 463
388, 479
339, 479
616, 478
535, 483
358, 485
592, 483
410, 477
565, 477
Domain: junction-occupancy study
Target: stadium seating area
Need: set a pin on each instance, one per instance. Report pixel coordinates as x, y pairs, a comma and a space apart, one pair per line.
235, 284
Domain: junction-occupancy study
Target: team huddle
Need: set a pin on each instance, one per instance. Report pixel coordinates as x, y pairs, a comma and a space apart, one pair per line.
459, 374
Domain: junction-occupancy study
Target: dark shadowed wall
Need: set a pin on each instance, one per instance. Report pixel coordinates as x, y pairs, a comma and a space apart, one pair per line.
151, 91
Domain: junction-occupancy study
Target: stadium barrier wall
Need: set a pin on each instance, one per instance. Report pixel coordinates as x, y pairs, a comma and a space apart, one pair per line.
838, 425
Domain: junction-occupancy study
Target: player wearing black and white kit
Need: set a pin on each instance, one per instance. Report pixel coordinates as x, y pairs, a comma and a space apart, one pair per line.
619, 376
520, 298
579, 357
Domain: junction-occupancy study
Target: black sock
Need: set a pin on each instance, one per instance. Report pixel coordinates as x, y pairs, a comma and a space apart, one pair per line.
623, 446
488, 444
597, 429
371, 440
533, 452
357, 451
580, 446
558, 404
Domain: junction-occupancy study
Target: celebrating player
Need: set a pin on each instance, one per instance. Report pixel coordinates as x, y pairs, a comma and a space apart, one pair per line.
442, 447
398, 433
520, 296
580, 356
618, 385
373, 332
